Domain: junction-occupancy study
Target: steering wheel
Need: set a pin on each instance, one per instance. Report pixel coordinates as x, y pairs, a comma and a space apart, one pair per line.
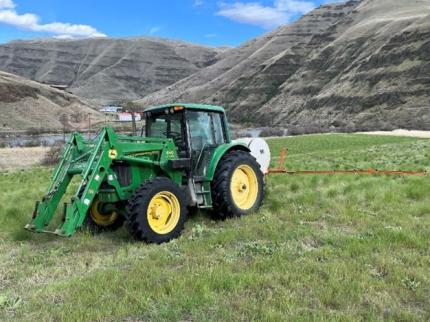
176, 136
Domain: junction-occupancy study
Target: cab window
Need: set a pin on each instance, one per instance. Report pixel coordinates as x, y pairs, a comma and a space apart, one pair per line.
206, 134
218, 128
162, 125
200, 130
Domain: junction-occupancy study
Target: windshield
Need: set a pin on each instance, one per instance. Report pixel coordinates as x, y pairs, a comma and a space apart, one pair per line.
163, 125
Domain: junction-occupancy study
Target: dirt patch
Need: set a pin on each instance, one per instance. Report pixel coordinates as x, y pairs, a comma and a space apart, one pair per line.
21, 158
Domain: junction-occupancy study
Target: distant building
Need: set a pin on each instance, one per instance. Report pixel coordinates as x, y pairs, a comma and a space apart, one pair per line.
127, 117
111, 109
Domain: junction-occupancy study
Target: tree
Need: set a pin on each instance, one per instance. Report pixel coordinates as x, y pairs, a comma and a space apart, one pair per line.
133, 108
64, 120
76, 117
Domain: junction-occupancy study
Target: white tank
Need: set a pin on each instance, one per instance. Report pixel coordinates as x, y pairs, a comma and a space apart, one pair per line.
259, 150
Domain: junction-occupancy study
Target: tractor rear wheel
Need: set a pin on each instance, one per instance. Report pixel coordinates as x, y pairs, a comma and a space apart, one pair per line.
238, 185
103, 217
157, 211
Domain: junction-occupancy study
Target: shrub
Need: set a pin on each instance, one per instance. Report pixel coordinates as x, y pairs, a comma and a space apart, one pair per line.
52, 157
273, 131
32, 143
34, 131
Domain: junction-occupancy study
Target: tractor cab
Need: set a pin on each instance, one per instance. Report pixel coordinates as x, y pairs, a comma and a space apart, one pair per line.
197, 131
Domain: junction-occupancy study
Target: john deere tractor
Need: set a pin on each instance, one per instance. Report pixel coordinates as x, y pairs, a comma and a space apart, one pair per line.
183, 158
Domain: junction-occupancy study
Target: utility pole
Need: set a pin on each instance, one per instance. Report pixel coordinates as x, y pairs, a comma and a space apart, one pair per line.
63, 119
89, 126
133, 121
133, 109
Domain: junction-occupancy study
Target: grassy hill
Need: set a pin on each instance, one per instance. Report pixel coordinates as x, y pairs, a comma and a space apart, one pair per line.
341, 247
26, 104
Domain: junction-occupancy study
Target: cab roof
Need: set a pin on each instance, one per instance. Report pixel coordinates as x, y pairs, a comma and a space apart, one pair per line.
213, 108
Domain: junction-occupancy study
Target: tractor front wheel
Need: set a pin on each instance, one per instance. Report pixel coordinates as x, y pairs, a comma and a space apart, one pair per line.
103, 217
157, 211
238, 185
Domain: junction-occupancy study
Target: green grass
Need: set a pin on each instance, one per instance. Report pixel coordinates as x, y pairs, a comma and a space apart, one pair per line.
341, 247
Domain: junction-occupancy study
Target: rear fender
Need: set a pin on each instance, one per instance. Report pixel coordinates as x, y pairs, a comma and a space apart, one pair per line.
220, 152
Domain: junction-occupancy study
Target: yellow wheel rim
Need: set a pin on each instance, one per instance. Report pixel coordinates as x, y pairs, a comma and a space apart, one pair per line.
163, 212
244, 187
101, 218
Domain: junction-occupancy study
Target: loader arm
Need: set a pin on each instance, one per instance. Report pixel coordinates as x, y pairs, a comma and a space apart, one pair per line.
91, 160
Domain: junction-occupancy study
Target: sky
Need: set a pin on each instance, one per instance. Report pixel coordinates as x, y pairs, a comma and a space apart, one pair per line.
208, 22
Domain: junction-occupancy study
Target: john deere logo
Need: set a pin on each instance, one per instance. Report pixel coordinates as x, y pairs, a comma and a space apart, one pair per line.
170, 154
113, 154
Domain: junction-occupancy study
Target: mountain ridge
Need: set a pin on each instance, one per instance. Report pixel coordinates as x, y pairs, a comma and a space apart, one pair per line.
107, 69
354, 66
318, 82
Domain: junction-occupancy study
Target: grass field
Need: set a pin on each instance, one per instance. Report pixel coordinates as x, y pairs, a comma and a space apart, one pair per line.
341, 247
21, 158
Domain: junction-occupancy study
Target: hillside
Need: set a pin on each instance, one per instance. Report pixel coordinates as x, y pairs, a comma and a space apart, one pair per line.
106, 70
27, 104
360, 65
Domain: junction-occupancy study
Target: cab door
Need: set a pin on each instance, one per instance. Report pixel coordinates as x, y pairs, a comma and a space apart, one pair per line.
206, 133
170, 125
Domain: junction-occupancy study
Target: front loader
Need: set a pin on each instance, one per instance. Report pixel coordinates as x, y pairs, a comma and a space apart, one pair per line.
185, 158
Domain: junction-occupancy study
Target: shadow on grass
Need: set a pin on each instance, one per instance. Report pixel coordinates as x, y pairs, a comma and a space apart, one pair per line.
87, 237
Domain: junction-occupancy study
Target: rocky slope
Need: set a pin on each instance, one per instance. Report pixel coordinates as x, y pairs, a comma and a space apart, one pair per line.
359, 65
106, 70
27, 104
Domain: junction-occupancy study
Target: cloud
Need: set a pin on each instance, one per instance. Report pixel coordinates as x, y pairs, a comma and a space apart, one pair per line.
211, 35
154, 30
294, 6
197, 3
29, 21
6, 4
254, 13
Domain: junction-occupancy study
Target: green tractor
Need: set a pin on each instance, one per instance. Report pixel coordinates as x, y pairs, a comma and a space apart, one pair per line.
183, 158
